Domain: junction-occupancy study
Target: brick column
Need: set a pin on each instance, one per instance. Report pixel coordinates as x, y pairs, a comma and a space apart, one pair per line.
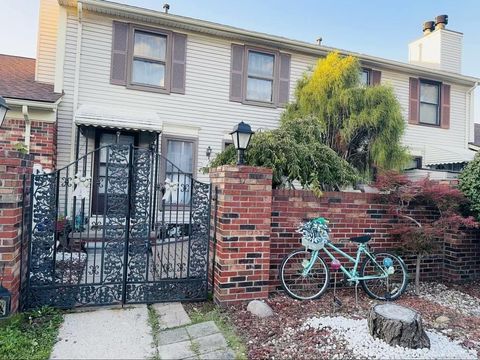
13, 165
243, 233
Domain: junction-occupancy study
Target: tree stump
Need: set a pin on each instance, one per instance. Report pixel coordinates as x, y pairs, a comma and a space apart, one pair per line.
397, 325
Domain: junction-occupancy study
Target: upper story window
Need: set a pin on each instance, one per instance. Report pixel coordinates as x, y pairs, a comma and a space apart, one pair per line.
260, 76
429, 102
365, 76
149, 59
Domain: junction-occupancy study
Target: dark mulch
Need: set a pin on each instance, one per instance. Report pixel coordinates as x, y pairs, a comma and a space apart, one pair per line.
274, 337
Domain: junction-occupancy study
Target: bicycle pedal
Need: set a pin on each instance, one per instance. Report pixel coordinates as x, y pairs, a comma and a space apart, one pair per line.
337, 301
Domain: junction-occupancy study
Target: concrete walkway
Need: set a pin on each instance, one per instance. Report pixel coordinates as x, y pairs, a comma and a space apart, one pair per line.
127, 334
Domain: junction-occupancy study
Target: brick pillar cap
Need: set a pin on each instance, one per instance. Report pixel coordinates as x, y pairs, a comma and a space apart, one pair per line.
242, 169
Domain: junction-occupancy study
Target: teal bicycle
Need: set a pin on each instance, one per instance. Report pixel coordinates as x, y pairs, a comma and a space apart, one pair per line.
304, 274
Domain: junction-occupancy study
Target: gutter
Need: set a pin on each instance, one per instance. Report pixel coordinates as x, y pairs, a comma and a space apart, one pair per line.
470, 99
28, 127
230, 32
53, 106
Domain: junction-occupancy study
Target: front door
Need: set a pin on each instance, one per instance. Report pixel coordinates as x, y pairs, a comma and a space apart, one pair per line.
102, 140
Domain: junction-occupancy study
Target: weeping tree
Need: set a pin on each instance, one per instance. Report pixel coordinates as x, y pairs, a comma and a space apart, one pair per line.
333, 133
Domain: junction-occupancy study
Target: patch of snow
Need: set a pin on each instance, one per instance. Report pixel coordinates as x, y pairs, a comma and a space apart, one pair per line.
359, 341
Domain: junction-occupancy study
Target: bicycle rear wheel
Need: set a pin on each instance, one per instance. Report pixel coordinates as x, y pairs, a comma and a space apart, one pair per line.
301, 287
389, 288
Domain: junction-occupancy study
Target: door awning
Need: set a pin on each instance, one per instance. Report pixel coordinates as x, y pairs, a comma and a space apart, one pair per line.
115, 117
448, 155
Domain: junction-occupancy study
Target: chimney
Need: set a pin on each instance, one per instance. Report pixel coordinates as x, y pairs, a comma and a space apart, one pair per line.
438, 48
319, 41
166, 7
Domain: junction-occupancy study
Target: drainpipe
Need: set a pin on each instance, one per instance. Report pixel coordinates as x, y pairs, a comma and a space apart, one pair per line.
28, 127
469, 97
76, 81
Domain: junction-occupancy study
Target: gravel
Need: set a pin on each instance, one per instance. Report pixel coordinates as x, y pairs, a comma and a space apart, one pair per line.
442, 295
361, 344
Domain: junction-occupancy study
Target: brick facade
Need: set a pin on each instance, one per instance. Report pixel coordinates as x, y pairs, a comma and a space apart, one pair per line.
43, 139
13, 166
256, 228
350, 214
241, 268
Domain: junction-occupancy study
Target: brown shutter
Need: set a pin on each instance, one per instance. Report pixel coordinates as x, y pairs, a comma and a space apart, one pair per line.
118, 67
445, 107
179, 56
414, 101
284, 79
236, 75
376, 77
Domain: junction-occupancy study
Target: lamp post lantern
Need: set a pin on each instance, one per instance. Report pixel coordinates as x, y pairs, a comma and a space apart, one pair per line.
241, 135
3, 110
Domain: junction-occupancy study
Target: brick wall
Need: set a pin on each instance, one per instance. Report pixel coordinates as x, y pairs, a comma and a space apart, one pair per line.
241, 267
13, 166
256, 228
43, 139
350, 214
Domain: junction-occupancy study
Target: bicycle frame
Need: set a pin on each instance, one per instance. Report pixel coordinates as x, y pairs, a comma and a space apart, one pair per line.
351, 275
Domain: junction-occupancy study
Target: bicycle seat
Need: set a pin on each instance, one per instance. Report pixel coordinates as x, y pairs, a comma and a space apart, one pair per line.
361, 239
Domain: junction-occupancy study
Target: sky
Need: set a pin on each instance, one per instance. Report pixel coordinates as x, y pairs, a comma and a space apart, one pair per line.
376, 27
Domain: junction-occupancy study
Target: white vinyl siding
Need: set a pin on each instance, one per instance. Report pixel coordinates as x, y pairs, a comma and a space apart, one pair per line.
418, 137
47, 41
206, 105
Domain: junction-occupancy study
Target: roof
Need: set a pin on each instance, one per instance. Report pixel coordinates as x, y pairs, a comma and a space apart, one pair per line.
109, 8
17, 80
437, 155
117, 118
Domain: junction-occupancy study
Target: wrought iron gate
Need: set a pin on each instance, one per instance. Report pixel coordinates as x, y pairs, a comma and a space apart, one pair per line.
120, 225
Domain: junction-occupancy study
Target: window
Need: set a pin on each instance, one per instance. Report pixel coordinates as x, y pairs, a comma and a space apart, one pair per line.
429, 102
149, 59
180, 168
226, 144
365, 77
260, 75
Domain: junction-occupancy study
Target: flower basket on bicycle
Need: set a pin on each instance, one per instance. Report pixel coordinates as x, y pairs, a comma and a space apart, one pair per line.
315, 233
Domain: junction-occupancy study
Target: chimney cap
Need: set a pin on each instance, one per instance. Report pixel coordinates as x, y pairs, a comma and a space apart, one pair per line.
319, 40
166, 7
428, 26
441, 19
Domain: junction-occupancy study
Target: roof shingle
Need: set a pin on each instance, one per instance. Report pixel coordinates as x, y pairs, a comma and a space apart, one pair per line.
17, 80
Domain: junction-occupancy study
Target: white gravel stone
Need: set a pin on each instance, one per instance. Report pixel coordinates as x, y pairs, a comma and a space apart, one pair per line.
442, 295
361, 344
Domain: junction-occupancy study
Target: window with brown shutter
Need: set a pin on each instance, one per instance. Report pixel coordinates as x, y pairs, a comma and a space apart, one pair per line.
376, 77
369, 77
259, 76
148, 59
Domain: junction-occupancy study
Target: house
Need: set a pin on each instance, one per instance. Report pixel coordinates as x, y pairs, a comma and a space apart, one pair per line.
181, 84
143, 99
31, 122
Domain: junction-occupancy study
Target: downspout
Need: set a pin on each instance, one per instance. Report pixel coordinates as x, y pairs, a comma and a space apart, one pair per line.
76, 81
469, 97
28, 127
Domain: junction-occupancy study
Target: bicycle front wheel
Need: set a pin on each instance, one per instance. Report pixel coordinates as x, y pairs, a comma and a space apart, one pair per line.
299, 286
387, 288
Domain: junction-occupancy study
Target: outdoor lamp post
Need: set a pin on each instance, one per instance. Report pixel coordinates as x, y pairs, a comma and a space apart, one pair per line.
3, 110
241, 135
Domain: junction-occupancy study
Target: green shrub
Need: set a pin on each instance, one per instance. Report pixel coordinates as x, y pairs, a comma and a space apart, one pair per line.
470, 184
